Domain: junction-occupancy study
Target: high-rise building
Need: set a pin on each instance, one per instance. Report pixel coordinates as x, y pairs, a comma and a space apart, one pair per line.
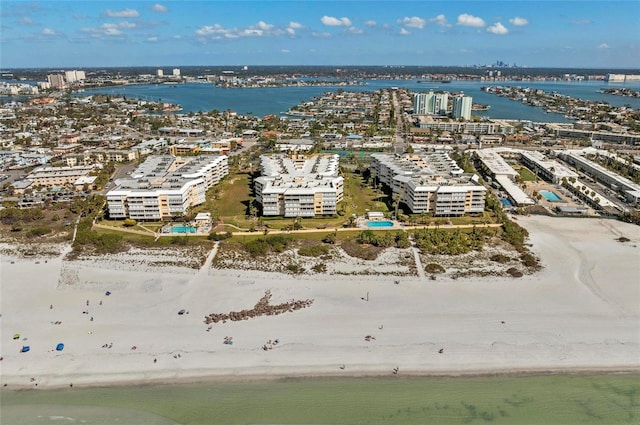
70, 76
160, 73
74, 76
431, 103
56, 81
176, 72
462, 107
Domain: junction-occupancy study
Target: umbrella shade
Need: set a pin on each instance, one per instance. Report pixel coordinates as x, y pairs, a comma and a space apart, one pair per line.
16, 336
60, 347
25, 348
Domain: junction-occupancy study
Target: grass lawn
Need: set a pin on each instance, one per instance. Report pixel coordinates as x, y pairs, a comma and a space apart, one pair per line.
526, 174
360, 197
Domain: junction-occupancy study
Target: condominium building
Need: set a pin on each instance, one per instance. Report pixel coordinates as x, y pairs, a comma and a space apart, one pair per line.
176, 72
429, 183
58, 176
430, 103
299, 186
166, 186
462, 107
159, 73
56, 81
74, 76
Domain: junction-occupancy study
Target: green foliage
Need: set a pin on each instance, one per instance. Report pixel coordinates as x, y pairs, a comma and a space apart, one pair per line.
500, 258
219, 236
529, 260
11, 216
384, 239
435, 241
129, 222
39, 231
261, 246
330, 238
514, 234
313, 250
295, 268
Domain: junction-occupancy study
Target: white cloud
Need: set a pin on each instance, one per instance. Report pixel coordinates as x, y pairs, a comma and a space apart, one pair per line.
370, 23
470, 21
159, 8
285, 51
518, 22
330, 21
126, 24
354, 30
126, 13
295, 25
498, 29
404, 31
321, 34
261, 29
152, 39
110, 29
48, 31
440, 20
291, 31
413, 22
264, 26
26, 21
603, 46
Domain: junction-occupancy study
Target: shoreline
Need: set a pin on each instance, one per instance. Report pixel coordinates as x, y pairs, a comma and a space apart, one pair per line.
577, 315
252, 378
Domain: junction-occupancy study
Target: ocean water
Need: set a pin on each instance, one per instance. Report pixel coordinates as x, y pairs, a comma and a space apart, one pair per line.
194, 97
545, 399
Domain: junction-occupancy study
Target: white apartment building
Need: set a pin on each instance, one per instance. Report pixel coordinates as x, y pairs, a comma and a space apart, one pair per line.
462, 107
430, 103
176, 72
430, 183
165, 186
299, 186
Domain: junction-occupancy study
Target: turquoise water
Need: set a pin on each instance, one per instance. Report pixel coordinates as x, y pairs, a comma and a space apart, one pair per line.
550, 196
379, 223
263, 101
183, 229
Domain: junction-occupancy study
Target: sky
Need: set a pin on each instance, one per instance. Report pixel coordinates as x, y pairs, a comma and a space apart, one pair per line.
543, 33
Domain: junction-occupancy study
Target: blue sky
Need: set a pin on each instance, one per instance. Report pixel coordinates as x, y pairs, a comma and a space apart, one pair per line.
593, 34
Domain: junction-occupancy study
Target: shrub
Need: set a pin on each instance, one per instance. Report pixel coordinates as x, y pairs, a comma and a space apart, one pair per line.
294, 268
434, 268
330, 238
313, 250
359, 251
320, 268
219, 236
129, 222
500, 258
39, 231
529, 260
514, 272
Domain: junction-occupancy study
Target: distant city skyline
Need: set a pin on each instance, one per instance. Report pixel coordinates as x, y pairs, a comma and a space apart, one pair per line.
582, 34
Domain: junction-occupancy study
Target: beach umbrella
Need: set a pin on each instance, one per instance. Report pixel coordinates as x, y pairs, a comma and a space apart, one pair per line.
16, 336
25, 348
60, 347
107, 293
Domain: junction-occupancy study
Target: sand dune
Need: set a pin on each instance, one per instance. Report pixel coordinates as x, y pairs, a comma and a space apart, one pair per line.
580, 312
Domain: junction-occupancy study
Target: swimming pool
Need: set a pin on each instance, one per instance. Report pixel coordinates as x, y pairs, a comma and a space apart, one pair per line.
379, 223
550, 196
183, 229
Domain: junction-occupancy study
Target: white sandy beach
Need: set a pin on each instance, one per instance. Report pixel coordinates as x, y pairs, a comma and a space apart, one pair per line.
581, 312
